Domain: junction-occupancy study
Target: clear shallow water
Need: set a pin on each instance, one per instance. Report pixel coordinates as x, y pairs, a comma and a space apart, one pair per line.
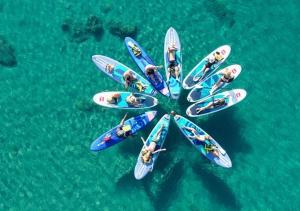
48, 122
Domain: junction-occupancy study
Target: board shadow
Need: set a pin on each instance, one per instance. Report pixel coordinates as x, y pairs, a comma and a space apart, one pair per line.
166, 190
225, 127
217, 187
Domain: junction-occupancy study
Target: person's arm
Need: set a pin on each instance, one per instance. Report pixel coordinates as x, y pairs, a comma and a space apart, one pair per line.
159, 150
143, 140
123, 120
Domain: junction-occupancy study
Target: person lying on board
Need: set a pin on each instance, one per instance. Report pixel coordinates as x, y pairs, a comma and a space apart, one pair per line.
151, 71
123, 131
135, 50
173, 68
134, 101
210, 62
227, 77
214, 104
203, 139
149, 151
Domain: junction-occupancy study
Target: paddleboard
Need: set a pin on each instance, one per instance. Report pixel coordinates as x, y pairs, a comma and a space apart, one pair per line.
117, 73
231, 98
202, 90
110, 137
189, 83
223, 159
141, 168
145, 101
172, 39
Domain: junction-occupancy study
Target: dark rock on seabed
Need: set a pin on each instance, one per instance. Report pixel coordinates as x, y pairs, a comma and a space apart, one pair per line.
122, 30
80, 32
7, 53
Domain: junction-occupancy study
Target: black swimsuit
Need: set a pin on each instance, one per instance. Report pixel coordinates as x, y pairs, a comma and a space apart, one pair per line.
227, 80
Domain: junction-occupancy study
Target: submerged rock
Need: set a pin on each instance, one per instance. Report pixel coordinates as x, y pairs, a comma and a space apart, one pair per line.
220, 9
105, 8
122, 30
80, 32
7, 53
94, 26
85, 105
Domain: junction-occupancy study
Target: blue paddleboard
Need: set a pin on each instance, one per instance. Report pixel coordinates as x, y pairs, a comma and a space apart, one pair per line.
136, 123
142, 60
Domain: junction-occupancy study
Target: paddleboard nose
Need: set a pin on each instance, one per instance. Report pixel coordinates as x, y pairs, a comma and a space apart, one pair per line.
95, 58
151, 114
97, 145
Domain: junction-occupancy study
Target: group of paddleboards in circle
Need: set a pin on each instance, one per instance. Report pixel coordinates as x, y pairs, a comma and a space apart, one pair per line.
203, 80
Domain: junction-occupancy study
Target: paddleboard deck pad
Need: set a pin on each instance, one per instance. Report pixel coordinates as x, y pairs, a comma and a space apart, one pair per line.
142, 59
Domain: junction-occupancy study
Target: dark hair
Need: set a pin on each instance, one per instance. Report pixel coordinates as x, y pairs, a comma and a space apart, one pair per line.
217, 52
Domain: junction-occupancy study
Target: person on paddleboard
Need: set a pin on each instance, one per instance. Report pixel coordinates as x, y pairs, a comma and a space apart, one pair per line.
114, 98
134, 101
214, 104
151, 72
109, 68
135, 50
214, 59
173, 68
149, 151
129, 79
227, 77
203, 139
122, 131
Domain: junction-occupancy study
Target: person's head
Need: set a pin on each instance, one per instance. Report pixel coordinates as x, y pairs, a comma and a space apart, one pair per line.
146, 156
217, 53
227, 73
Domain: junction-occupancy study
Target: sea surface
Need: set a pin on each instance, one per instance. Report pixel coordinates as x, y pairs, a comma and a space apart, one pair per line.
48, 119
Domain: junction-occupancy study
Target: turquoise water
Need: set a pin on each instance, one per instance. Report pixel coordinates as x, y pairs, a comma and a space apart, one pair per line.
48, 120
